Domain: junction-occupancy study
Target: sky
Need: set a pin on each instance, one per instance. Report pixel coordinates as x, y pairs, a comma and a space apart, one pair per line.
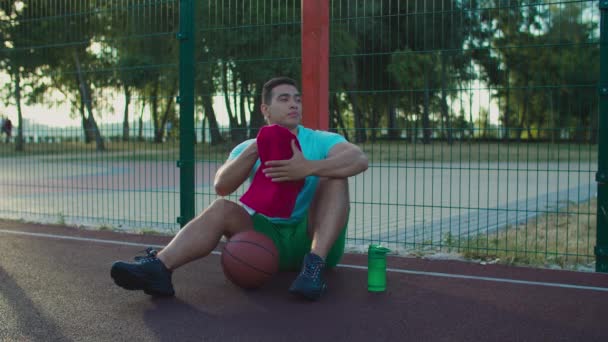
60, 116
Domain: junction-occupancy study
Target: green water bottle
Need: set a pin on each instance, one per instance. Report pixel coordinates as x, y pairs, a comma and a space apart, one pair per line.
376, 268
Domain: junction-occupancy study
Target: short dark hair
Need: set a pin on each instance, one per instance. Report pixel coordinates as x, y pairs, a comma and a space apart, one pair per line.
273, 83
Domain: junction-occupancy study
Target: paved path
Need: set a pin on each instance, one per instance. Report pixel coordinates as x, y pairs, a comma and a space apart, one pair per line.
55, 286
399, 202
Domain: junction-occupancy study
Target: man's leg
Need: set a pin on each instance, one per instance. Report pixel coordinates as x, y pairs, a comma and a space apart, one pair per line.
327, 218
198, 238
201, 235
328, 214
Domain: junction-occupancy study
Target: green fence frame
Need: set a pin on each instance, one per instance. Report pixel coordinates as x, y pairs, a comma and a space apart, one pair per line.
187, 37
601, 248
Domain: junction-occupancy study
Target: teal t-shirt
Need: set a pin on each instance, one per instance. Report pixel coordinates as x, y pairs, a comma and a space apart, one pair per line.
315, 145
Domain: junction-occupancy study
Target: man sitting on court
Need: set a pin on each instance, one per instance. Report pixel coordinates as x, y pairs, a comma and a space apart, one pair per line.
312, 237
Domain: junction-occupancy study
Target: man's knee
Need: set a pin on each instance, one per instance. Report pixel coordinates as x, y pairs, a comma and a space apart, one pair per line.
233, 216
332, 185
222, 204
333, 190
226, 209
331, 203
340, 182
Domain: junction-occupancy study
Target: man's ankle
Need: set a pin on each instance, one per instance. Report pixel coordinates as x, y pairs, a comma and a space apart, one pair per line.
323, 256
313, 258
164, 260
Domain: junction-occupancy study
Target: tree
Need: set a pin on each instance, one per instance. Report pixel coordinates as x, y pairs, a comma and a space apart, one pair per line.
539, 58
504, 43
70, 62
21, 59
247, 44
571, 67
429, 60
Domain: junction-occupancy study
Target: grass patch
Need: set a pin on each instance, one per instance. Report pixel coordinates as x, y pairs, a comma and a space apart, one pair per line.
152, 231
380, 151
60, 219
465, 151
106, 228
564, 239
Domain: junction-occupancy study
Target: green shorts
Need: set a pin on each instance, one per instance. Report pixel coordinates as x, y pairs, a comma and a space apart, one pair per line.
293, 242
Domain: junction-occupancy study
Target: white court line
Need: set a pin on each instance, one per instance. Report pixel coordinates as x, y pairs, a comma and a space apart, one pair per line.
498, 280
395, 270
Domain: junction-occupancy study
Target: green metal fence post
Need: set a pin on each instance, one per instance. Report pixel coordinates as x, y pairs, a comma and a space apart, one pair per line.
601, 247
186, 110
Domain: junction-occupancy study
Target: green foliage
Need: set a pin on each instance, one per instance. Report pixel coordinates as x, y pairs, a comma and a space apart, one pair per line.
543, 62
61, 219
394, 64
107, 228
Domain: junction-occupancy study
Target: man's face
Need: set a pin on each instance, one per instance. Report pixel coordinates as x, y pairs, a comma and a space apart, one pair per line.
285, 108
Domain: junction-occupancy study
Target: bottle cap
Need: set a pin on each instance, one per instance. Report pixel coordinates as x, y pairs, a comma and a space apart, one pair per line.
378, 249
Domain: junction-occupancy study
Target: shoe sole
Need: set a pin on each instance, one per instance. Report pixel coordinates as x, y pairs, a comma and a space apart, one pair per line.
127, 280
312, 296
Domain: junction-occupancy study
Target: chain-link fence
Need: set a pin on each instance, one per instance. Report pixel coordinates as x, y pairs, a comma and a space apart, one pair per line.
480, 118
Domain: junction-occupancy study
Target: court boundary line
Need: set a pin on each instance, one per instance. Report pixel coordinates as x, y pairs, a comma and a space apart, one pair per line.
357, 267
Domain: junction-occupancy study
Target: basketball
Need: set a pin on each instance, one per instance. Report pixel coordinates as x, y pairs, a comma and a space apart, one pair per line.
249, 259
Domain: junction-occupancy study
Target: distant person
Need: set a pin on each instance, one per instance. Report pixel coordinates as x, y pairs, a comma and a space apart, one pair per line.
7, 128
2, 119
168, 127
310, 238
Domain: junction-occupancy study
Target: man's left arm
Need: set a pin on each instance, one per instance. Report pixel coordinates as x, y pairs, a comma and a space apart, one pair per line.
343, 160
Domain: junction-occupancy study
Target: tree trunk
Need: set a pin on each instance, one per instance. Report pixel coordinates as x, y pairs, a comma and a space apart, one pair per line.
377, 105
88, 137
160, 132
256, 121
426, 122
231, 117
360, 134
242, 100
486, 119
444, 101
520, 125
214, 128
333, 115
463, 118
86, 96
140, 133
203, 129
529, 129
593, 130
471, 114
338, 116
375, 119
394, 133
507, 116
125, 120
154, 108
88, 131
524, 114
19, 146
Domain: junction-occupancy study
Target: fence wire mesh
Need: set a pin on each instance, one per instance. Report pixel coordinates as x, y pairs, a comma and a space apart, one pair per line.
480, 118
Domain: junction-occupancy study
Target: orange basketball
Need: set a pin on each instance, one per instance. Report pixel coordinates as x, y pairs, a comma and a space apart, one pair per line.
250, 259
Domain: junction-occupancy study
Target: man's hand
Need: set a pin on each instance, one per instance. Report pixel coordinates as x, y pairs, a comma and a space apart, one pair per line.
292, 169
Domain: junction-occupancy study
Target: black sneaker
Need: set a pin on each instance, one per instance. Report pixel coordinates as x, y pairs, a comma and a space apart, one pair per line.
309, 283
147, 273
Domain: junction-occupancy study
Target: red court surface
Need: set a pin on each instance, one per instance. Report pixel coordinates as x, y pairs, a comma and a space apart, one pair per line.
55, 286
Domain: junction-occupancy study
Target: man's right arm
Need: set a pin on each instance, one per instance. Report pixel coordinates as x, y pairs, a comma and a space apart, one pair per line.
234, 172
